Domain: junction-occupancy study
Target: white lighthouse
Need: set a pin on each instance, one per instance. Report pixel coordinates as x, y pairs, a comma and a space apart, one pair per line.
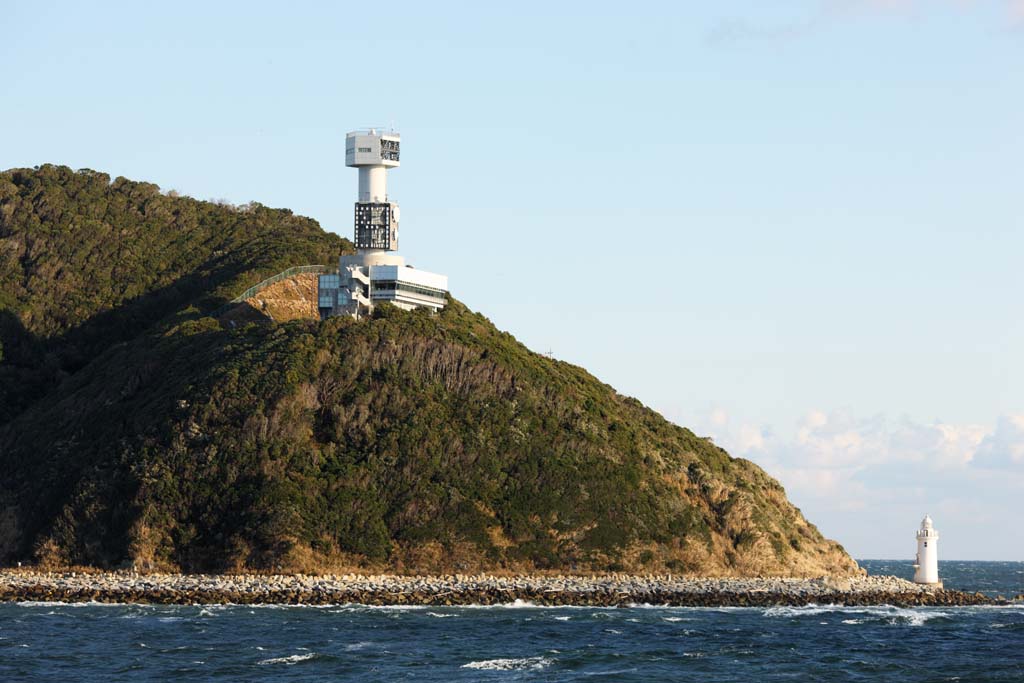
375, 273
927, 566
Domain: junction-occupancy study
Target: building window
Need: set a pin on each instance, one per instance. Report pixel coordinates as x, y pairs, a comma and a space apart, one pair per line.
392, 286
389, 150
365, 150
926, 544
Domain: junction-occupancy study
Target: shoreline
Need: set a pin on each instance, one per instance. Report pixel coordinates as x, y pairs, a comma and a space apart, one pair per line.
612, 590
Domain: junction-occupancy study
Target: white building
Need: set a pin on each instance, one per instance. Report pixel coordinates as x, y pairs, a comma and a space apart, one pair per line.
927, 566
375, 273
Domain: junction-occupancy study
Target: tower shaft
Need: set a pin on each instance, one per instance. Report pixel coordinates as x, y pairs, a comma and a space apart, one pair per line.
373, 184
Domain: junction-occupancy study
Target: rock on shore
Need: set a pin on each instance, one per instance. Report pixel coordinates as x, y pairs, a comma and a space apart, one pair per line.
607, 590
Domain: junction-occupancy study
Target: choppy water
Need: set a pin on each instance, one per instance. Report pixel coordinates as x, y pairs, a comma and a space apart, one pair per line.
58, 642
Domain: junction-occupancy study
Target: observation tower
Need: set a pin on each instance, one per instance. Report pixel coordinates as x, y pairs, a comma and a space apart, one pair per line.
376, 274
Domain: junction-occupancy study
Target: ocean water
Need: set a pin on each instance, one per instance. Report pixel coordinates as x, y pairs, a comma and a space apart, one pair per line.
91, 642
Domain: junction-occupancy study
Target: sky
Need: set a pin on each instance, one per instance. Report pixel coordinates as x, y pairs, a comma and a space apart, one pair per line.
796, 227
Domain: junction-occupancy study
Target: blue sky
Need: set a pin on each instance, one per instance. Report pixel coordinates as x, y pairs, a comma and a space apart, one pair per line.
793, 226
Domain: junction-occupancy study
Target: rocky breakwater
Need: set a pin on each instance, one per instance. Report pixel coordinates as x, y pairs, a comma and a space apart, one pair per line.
604, 590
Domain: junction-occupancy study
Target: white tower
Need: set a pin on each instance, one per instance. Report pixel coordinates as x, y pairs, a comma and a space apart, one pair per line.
927, 567
375, 274
373, 153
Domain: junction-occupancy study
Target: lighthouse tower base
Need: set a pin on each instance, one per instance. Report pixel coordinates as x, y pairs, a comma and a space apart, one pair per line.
930, 584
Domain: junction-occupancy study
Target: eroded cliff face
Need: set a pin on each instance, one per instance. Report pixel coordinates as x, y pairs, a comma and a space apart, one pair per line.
293, 298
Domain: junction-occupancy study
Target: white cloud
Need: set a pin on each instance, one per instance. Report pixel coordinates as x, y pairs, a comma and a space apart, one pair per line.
840, 440
752, 438
867, 480
1017, 11
1004, 447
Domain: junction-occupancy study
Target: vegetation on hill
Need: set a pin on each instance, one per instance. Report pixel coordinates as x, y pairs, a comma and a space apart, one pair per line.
86, 263
407, 441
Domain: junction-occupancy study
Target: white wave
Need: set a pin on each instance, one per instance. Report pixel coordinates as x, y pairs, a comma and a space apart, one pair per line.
674, 619
58, 603
919, 618
361, 645
895, 615
511, 664
805, 611
440, 615
291, 659
861, 614
517, 603
356, 607
526, 604
563, 618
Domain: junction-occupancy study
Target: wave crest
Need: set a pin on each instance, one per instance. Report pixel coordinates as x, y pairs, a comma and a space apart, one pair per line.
291, 659
510, 664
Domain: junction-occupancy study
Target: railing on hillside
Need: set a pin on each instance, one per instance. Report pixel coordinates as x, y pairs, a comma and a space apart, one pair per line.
255, 289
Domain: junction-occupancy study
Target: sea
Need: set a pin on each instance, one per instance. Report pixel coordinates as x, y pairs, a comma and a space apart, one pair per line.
521, 642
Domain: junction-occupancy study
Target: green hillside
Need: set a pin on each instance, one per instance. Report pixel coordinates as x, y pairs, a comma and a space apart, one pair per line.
404, 442
86, 263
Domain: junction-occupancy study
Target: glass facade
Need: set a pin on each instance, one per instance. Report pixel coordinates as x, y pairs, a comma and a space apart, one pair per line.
330, 281
327, 294
389, 150
392, 286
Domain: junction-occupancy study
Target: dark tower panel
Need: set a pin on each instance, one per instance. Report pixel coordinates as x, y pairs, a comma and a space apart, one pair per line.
376, 225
